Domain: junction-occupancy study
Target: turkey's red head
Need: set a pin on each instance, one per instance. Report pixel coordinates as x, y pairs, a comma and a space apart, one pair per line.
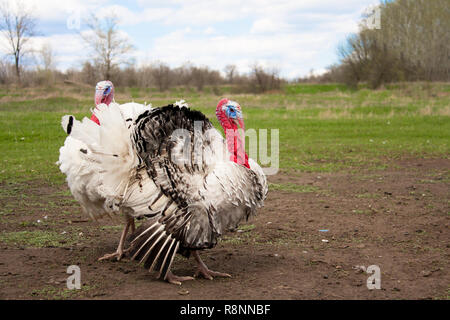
104, 92
229, 114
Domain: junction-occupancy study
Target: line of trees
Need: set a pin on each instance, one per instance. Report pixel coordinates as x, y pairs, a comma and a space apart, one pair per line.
162, 77
155, 75
411, 43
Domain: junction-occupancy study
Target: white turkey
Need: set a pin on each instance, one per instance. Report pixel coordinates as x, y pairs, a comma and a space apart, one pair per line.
88, 157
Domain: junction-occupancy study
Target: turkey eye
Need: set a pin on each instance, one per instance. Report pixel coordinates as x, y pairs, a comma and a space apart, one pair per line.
106, 90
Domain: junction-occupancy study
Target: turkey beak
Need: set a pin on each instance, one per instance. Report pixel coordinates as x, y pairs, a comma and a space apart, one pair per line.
241, 123
238, 123
99, 96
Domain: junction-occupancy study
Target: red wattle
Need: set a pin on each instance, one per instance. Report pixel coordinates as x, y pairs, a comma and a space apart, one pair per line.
234, 143
95, 119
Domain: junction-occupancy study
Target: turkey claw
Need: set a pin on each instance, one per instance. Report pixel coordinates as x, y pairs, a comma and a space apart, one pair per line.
118, 255
209, 274
173, 279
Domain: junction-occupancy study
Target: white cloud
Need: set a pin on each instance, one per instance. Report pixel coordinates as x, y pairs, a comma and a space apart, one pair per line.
51, 10
318, 72
209, 31
288, 52
267, 25
128, 17
124, 15
292, 35
66, 49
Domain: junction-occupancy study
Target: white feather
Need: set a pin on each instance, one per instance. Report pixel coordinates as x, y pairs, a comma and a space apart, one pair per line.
99, 161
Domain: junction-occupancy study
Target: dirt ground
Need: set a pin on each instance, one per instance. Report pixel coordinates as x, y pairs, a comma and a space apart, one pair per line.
397, 219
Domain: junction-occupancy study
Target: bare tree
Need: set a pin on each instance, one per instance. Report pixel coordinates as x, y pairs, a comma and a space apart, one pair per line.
263, 80
46, 57
230, 72
17, 25
199, 77
161, 75
183, 74
89, 74
110, 47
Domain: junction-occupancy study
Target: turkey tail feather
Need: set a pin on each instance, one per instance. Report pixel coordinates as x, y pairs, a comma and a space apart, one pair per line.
168, 260
152, 235
67, 123
155, 247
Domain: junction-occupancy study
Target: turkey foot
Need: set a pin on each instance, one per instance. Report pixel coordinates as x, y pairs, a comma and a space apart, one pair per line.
118, 254
204, 271
120, 251
173, 279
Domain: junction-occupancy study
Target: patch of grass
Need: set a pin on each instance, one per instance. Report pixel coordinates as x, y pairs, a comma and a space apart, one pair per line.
6, 211
247, 227
244, 234
28, 224
57, 293
367, 195
314, 88
111, 228
65, 193
233, 240
53, 104
445, 296
291, 187
135, 93
361, 211
37, 239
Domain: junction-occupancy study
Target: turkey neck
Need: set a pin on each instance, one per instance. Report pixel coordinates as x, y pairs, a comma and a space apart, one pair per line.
234, 143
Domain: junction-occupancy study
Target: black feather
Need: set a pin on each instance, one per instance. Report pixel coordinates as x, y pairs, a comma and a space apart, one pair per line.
70, 125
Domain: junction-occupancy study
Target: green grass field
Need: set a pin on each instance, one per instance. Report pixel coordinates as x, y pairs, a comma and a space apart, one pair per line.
322, 127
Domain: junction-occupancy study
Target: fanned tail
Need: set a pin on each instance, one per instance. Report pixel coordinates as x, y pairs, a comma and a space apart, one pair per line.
98, 160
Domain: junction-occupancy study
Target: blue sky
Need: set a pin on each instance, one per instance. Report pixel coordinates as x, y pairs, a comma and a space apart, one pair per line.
292, 36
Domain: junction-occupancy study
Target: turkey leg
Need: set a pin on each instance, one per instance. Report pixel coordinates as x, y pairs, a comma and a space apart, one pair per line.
203, 269
120, 251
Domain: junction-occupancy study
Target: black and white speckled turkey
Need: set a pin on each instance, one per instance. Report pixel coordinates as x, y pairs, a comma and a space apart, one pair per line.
206, 184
